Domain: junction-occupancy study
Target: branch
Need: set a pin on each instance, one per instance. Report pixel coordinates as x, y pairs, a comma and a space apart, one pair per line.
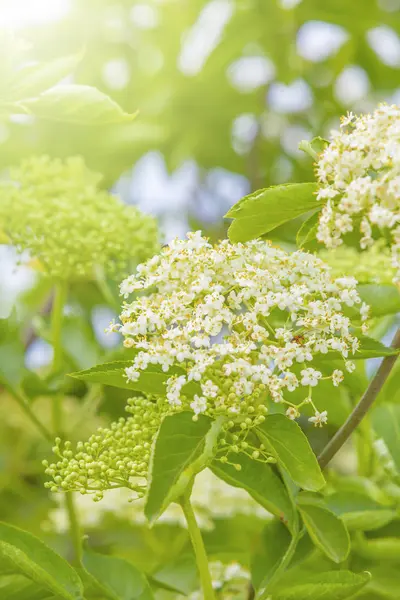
362, 407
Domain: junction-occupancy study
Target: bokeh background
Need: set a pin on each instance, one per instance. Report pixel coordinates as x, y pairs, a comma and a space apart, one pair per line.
226, 90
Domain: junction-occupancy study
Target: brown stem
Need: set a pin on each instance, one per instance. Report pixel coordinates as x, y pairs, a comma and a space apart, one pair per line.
361, 409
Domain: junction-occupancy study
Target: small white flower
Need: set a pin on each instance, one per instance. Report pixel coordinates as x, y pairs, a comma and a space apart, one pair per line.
337, 377
319, 419
199, 404
292, 413
310, 377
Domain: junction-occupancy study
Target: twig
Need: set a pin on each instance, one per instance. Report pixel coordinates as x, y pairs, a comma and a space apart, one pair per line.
362, 407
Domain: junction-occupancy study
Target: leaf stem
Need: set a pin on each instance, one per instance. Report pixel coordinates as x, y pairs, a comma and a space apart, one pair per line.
60, 296
361, 409
24, 404
198, 547
74, 527
57, 313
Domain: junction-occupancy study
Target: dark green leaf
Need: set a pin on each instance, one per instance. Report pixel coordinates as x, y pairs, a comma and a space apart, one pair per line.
29, 556
116, 578
260, 481
264, 210
182, 448
77, 104
286, 441
274, 544
326, 530
334, 585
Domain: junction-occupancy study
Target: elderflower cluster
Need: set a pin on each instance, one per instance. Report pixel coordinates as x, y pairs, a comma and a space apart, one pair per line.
239, 323
371, 266
55, 210
359, 176
211, 498
111, 458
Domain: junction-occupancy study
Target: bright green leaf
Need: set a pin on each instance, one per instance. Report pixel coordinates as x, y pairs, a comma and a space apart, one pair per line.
386, 423
151, 381
264, 210
308, 230
313, 147
182, 448
327, 531
334, 585
31, 557
116, 578
286, 441
260, 481
77, 104
383, 299
358, 511
32, 80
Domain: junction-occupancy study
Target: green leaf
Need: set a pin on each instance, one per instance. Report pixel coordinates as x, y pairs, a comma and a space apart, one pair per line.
383, 299
32, 80
116, 578
29, 556
358, 511
264, 210
308, 230
327, 531
18, 587
286, 441
151, 381
386, 423
380, 549
260, 481
182, 448
274, 544
12, 353
334, 585
313, 147
76, 104
370, 348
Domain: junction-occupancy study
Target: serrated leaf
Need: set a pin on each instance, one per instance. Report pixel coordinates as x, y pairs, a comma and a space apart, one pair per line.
327, 531
182, 448
286, 441
31, 80
151, 381
77, 104
29, 556
264, 210
116, 578
260, 481
334, 585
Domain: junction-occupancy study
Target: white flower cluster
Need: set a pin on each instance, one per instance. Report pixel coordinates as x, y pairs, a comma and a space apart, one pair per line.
359, 176
239, 323
211, 498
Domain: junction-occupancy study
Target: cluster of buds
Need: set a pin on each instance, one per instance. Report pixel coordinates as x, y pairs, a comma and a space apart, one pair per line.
55, 211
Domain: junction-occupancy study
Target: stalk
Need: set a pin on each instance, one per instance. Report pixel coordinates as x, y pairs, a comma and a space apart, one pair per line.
199, 549
361, 409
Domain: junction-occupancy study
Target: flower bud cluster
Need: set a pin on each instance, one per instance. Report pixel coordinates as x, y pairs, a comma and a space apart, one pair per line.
111, 458
230, 581
359, 176
55, 210
373, 265
241, 322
